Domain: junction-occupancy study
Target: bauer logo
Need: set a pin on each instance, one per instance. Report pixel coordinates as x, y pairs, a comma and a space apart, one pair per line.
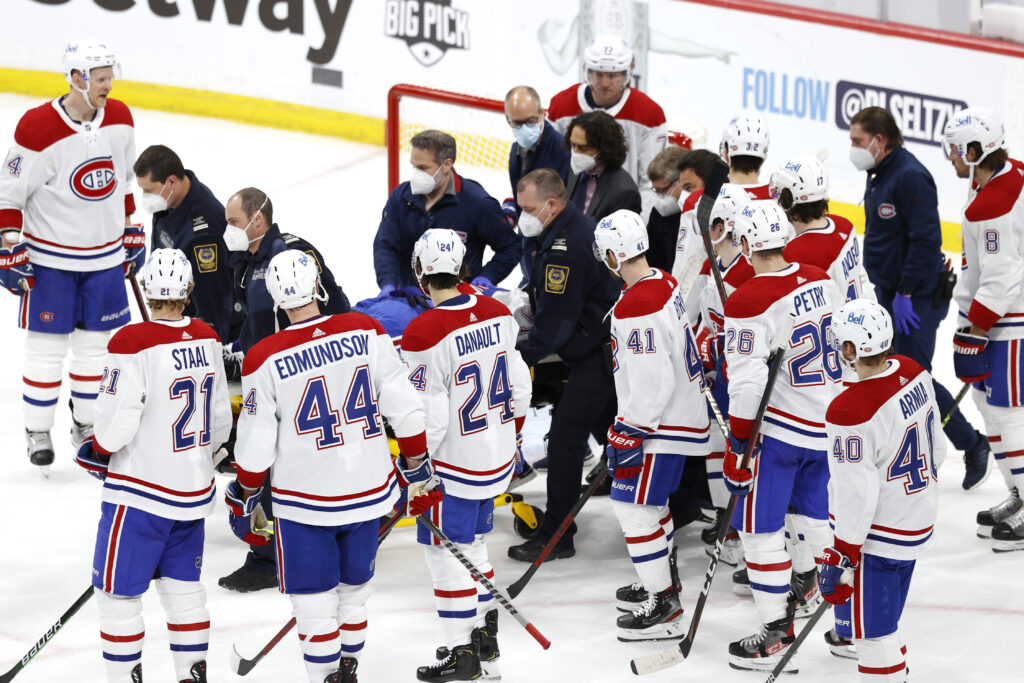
921, 118
95, 179
429, 27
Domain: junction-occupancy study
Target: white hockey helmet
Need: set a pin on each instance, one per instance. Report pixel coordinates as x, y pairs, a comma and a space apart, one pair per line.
84, 56
624, 234
293, 279
438, 250
167, 276
763, 223
745, 135
974, 124
609, 53
804, 176
731, 198
864, 323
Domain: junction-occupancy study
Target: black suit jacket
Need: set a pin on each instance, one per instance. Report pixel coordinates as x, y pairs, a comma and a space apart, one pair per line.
615, 190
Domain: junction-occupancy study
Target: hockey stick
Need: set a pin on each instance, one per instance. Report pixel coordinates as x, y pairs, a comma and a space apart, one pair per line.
137, 291
517, 587
241, 666
801, 637
663, 660
956, 401
478, 575
48, 636
719, 174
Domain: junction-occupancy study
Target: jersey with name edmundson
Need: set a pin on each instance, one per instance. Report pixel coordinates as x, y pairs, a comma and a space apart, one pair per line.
68, 185
835, 249
162, 411
474, 385
658, 375
886, 446
312, 399
754, 316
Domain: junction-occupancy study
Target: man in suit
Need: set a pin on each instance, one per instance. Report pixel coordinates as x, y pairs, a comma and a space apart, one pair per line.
599, 184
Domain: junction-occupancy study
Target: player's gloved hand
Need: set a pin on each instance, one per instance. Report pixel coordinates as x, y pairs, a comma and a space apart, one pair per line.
246, 516
903, 314
385, 290
969, 360
95, 463
233, 358
134, 242
518, 466
836, 575
625, 450
425, 489
508, 210
709, 347
738, 479
16, 272
482, 282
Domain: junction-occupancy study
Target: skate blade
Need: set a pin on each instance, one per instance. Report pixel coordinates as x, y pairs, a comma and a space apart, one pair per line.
768, 664
490, 671
1007, 546
843, 651
807, 610
984, 531
45, 471
673, 631
742, 590
724, 558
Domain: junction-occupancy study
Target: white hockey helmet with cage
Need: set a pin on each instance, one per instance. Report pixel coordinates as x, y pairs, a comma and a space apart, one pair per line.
731, 198
608, 53
865, 324
293, 279
438, 250
624, 234
763, 223
168, 275
974, 124
83, 57
805, 177
745, 135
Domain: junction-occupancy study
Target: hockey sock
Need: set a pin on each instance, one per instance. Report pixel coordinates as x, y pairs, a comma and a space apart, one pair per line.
88, 353
122, 631
188, 622
454, 594
667, 526
882, 660
769, 570
484, 600
352, 617
812, 537
646, 542
316, 616
1005, 427
44, 366
716, 480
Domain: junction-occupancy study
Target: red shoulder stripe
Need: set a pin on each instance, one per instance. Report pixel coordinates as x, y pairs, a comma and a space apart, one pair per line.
861, 401
642, 109
291, 337
757, 294
998, 196
41, 127
564, 104
645, 298
138, 337
430, 327
116, 112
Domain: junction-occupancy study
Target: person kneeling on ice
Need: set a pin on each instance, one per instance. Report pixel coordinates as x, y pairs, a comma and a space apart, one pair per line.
661, 420
886, 447
160, 376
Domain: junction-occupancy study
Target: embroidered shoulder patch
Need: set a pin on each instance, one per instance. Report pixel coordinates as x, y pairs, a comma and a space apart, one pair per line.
555, 279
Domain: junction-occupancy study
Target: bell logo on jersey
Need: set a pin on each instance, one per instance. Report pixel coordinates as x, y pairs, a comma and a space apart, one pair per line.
95, 179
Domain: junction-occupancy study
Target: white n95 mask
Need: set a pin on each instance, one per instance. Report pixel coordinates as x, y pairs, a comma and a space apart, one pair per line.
421, 182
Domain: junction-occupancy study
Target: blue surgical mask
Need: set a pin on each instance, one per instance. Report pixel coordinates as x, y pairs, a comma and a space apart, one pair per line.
527, 135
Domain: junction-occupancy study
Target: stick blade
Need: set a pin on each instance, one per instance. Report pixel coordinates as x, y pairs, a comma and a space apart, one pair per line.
658, 661
239, 664
516, 588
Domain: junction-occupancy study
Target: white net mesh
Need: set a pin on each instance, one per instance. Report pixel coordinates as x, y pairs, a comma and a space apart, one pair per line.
482, 137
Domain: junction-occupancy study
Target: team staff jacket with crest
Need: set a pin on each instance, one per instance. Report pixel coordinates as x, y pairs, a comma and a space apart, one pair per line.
162, 411
886, 446
903, 236
465, 208
68, 186
196, 227
313, 397
570, 292
836, 250
475, 390
658, 375
250, 272
990, 290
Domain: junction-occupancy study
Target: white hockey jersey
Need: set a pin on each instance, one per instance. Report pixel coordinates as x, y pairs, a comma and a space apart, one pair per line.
475, 390
642, 121
990, 290
68, 186
704, 303
886, 446
807, 381
313, 395
163, 409
658, 375
836, 250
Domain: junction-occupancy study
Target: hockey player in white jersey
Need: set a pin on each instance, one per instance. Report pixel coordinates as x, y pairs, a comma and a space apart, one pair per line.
163, 410
661, 419
313, 397
989, 343
789, 469
744, 147
475, 389
885, 450
65, 195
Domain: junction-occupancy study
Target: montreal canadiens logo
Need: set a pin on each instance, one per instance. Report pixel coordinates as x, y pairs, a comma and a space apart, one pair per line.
886, 211
95, 179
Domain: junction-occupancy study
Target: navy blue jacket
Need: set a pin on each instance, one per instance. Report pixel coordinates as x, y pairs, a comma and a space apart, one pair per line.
250, 280
547, 153
903, 236
570, 292
469, 211
196, 227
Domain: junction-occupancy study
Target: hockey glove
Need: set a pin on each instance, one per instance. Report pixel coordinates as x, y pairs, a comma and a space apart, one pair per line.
508, 210
233, 358
482, 282
425, 489
835, 579
709, 348
15, 270
969, 360
738, 479
95, 463
625, 450
518, 467
903, 314
134, 242
246, 516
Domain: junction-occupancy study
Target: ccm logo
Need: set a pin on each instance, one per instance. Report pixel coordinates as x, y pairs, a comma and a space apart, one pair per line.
886, 211
94, 180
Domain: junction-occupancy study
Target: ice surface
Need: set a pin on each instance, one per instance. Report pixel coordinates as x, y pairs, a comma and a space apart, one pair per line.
961, 623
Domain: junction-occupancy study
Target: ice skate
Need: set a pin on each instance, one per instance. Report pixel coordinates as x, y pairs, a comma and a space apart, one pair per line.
804, 587
79, 433
656, 619
197, 673
763, 650
741, 583
839, 646
346, 673
631, 596
987, 519
488, 650
40, 450
1009, 535
732, 550
460, 664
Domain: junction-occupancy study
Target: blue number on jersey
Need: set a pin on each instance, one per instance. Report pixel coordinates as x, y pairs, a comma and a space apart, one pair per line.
419, 378
315, 414
185, 387
499, 393
250, 402
14, 165
910, 463
360, 404
816, 334
470, 372
694, 368
112, 375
